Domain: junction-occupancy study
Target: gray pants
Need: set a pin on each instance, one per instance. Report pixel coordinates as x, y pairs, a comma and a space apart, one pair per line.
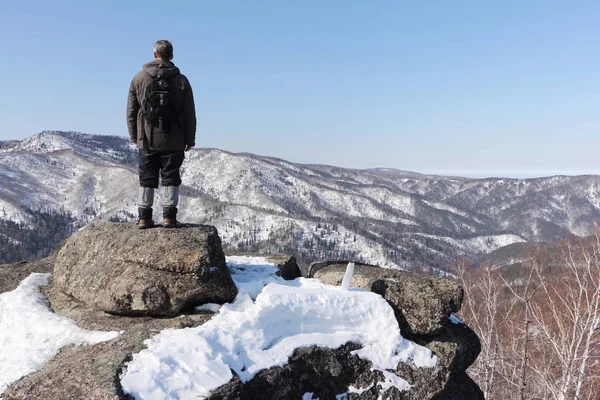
146, 196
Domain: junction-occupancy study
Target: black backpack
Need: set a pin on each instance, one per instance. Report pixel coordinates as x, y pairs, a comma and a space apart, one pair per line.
159, 108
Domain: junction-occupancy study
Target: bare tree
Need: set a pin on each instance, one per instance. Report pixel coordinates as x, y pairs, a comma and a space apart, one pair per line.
521, 336
539, 327
567, 315
484, 309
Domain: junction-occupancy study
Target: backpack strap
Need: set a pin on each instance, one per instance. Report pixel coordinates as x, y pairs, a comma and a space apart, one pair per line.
152, 126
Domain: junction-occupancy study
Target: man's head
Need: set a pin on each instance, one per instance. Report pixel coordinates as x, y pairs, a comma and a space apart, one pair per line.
163, 49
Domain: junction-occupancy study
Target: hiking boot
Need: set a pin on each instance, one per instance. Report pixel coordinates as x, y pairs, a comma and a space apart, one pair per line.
169, 217
169, 223
145, 218
145, 223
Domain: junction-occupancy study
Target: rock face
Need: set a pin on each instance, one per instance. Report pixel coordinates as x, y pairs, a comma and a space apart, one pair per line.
328, 373
287, 266
116, 277
422, 303
456, 347
120, 269
324, 372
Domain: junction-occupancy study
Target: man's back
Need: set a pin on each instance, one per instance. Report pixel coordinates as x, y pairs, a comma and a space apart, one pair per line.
182, 131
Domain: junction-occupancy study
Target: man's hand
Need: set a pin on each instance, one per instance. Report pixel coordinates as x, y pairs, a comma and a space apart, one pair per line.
188, 147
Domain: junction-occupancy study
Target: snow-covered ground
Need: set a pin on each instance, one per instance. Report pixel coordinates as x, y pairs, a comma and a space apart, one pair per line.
268, 320
477, 245
31, 334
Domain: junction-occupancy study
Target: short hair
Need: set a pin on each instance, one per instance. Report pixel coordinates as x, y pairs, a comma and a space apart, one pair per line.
164, 49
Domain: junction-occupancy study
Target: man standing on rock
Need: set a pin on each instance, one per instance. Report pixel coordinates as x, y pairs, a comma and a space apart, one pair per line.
161, 119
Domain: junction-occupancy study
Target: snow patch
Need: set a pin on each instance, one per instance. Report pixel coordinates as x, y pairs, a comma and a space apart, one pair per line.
479, 244
352, 389
212, 307
31, 334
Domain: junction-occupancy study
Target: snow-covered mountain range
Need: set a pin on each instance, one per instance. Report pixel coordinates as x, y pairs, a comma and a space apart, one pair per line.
384, 216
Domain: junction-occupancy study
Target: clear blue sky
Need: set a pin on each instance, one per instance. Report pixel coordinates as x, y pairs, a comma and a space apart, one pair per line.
469, 87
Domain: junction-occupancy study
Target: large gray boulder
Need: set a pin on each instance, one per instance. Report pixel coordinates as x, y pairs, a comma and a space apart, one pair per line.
120, 269
456, 347
422, 303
